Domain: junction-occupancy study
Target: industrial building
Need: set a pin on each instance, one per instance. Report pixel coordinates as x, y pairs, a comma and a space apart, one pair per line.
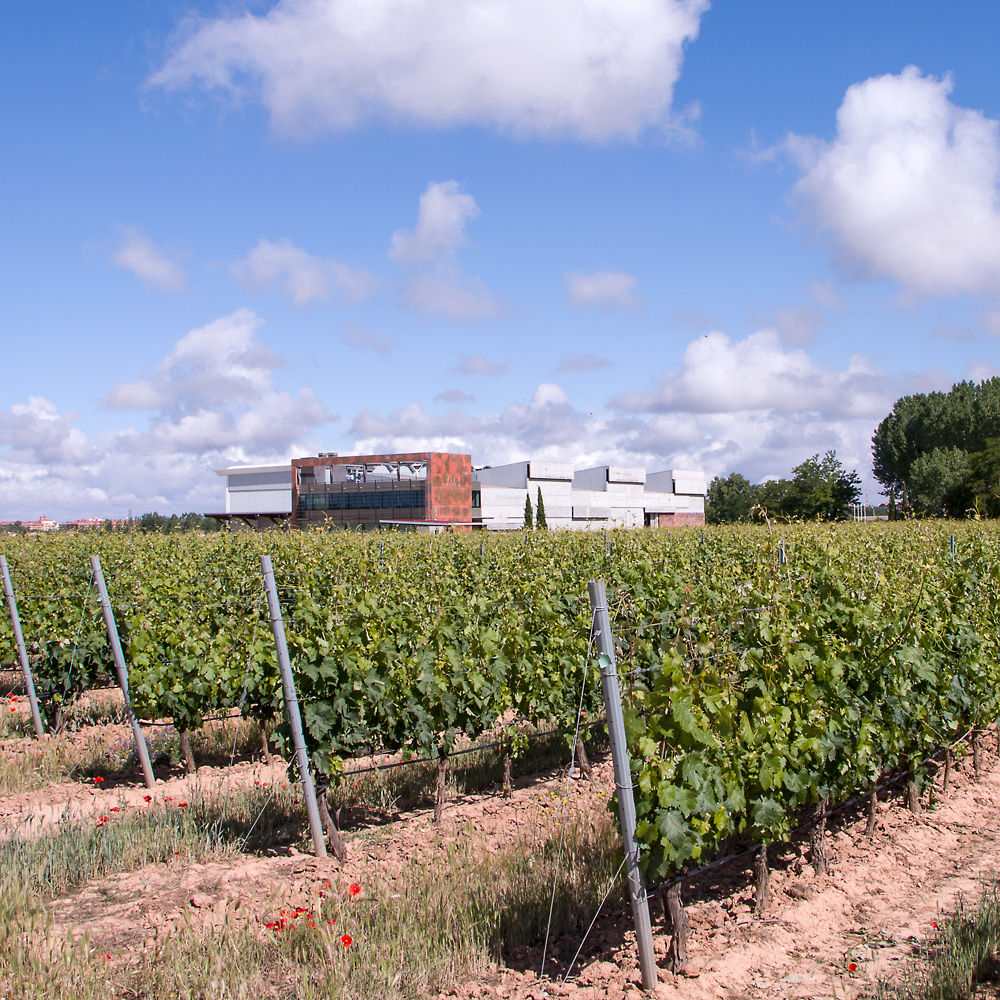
434, 491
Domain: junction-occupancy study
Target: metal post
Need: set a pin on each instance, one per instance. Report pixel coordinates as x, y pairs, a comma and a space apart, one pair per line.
292, 707
121, 669
623, 782
15, 620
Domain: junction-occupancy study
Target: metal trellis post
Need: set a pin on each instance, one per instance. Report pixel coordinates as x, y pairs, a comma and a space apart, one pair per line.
605, 642
15, 621
122, 670
292, 707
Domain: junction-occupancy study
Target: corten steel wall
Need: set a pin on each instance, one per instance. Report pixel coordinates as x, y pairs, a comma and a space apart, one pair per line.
679, 520
448, 484
449, 487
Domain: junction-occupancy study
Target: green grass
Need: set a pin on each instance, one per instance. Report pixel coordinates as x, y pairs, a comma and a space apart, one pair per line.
961, 961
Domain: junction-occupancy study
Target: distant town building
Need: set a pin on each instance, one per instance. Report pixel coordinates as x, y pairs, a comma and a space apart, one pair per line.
435, 491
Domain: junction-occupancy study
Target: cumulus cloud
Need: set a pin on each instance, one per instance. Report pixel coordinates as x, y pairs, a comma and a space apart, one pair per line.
582, 363
604, 288
908, 187
797, 326
435, 284
303, 276
750, 406
138, 254
211, 402
599, 70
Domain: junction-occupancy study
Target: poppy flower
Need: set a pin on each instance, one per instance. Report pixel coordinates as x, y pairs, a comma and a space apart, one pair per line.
147, 798
354, 889
852, 967
182, 805
346, 940
934, 924
299, 910
270, 926
12, 708
170, 798
326, 883
98, 780
114, 809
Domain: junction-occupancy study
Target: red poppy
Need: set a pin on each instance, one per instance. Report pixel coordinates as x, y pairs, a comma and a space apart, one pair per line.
299, 910
270, 926
182, 805
176, 853
98, 780
12, 708
169, 798
852, 967
346, 940
147, 798
934, 924
107, 956
326, 883
114, 809
354, 889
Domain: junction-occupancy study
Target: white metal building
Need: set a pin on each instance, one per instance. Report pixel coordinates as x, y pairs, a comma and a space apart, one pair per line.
608, 496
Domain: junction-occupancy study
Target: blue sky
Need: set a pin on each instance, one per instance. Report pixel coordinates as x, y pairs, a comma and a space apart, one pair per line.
660, 232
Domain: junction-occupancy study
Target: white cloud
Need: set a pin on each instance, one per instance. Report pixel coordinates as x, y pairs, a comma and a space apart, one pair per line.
212, 402
908, 188
366, 340
797, 326
304, 277
476, 364
435, 284
582, 363
605, 288
825, 294
778, 408
138, 254
453, 396
718, 375
596, 70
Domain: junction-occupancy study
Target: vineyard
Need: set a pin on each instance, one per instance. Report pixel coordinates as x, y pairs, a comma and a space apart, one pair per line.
769, 675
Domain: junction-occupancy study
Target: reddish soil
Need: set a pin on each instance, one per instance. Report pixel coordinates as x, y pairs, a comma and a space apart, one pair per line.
876, 905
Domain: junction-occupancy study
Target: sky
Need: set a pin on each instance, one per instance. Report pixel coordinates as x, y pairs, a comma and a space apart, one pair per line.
668, 233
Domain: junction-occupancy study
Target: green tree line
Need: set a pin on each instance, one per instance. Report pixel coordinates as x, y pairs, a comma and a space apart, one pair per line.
938, 454
820, 489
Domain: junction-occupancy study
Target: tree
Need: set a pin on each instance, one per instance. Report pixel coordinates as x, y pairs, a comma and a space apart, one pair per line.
540, 512
528, 519
729, 499
939, 482
821, 489
922, 438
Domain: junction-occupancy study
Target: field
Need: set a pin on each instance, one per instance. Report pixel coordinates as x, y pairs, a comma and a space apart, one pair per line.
770, 677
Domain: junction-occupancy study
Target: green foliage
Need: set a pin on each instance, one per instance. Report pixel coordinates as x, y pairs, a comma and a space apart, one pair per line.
540, 512
937, 453
820, 489
754, 688
729, 500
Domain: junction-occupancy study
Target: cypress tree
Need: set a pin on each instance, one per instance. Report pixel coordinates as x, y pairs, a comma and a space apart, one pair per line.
540, 512
528, 519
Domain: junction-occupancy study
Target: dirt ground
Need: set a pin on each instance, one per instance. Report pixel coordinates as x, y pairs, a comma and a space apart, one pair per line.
878, 903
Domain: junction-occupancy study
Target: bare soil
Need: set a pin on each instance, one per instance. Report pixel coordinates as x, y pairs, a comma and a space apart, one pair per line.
874, 908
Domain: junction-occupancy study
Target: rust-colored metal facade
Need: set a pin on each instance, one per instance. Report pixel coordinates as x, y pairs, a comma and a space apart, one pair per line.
436, 489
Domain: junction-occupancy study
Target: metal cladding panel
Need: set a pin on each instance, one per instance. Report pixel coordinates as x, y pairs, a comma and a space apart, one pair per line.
258, 480
550, 470
660, 482
449, 487
688, 482
626, 474
513, 476
591, 479
260, 502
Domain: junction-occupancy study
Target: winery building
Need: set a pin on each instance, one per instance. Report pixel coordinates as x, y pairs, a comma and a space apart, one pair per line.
435, 491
